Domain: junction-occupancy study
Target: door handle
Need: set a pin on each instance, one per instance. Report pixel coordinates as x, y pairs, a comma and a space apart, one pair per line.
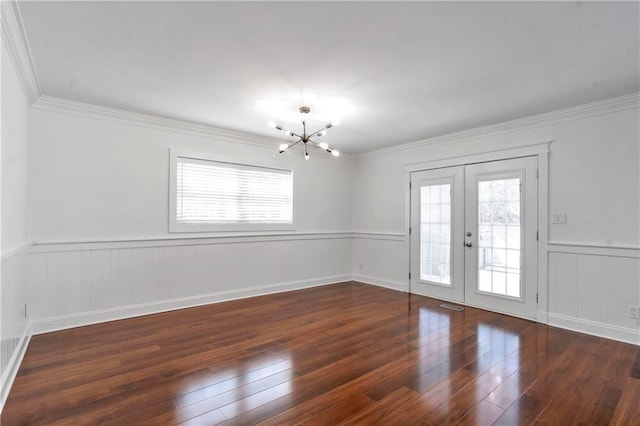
468, 244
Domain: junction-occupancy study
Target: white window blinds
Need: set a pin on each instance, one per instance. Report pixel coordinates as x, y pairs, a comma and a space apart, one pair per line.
211, 192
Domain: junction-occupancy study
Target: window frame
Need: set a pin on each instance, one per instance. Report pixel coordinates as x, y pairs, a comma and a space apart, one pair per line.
176, 227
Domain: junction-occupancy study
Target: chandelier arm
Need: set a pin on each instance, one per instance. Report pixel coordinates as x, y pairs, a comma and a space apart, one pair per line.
290, 146
288, 132
328, 149
318, 131
295, 143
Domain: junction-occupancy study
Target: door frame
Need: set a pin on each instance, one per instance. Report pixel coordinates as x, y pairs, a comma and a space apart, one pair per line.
539, 150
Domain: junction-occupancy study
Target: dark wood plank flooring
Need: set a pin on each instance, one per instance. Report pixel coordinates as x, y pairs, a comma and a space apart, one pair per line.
340, 354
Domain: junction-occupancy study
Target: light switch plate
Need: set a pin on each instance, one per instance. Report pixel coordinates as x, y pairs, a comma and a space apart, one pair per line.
559, 218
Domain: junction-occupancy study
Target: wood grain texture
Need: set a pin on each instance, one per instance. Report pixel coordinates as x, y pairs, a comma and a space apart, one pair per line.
347, 353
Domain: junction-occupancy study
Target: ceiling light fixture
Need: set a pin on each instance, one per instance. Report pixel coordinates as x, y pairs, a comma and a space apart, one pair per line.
305, 138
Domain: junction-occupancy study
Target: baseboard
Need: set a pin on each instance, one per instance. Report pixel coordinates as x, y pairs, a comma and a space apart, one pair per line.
381, 282
608, 331
46, 325
9, 375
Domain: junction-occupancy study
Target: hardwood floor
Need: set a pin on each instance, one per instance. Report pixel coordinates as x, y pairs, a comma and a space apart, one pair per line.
340, 354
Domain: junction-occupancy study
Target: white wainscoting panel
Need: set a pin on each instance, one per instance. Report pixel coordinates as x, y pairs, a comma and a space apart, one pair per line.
76, 287
15, 327
380, 259
590, 289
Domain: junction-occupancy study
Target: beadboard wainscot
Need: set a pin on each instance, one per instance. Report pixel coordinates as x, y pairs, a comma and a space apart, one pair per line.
80, 283
591, 288
15, 324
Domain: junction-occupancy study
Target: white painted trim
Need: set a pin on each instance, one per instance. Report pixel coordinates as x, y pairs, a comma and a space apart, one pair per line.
543, 237
381, 282
52, 104
593, 249
607, 331
407, 226
538, 150
606, 106
24, 248
387, 236
17, 44
9, 375
503, 153
227, 238
203, 228
49, 103
64, 322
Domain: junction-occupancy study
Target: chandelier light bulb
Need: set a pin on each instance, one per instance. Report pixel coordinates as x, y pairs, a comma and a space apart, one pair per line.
323, 145
306, 156
335, 153
272, 124
322, 133
283, 147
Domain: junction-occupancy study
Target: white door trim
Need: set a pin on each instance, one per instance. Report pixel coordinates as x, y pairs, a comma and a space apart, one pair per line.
483, 157
541, 151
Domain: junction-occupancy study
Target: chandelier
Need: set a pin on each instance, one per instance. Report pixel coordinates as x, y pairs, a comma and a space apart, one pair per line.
304, 137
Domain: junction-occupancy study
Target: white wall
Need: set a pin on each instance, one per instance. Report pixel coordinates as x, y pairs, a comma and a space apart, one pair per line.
99, 195
594, 176
15, 235
98, 179
15, 111
100, 215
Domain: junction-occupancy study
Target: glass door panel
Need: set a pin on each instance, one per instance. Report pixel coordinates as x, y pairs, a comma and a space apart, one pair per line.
473, 235
435, 233
437, 216
501, 224
499, 237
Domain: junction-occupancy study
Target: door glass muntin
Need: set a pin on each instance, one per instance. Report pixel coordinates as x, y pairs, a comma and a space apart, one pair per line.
499, 206
435, 232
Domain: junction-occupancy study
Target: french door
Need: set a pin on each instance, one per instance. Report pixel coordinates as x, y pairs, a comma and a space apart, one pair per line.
474, 235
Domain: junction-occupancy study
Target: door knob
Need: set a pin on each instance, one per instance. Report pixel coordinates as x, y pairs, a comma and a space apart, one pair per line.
468, 244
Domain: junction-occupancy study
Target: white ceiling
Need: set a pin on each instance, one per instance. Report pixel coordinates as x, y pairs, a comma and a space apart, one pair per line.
391, 72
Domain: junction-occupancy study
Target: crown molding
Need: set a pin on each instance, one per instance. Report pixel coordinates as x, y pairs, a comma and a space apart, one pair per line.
17, 44
49, 103
606, 106
53, 104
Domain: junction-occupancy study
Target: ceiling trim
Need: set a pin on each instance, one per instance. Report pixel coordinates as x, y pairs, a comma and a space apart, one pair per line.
49, 103
15, 39
606, 106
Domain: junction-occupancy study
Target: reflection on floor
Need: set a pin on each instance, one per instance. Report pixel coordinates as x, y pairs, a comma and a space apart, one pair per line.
345, 353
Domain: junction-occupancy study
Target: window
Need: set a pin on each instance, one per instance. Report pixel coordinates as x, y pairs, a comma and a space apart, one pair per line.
219, 196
